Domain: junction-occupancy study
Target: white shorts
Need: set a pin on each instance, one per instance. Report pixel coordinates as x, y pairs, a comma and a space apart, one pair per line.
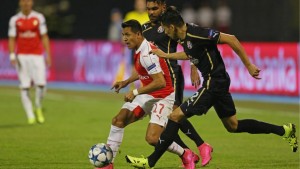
31, 68
157, 108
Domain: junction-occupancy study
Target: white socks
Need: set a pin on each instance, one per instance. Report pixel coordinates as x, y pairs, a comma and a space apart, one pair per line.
26, 101
115, 139
176, 149
39, 94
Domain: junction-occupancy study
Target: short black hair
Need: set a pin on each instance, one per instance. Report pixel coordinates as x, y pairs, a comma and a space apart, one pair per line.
157, 1
171, 17
133, 24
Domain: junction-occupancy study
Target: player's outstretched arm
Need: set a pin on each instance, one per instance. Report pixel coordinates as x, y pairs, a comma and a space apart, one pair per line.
175, 56
121, 84
235, 44
11, 46
158, 82
46, 43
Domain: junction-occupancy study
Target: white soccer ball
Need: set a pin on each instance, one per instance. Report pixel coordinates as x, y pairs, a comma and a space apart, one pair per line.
100, 155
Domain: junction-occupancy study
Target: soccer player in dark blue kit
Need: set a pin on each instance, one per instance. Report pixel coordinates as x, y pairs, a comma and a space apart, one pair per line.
154, 32
200, 47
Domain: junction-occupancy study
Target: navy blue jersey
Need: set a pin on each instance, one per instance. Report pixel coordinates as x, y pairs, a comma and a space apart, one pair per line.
200, 45
157, 36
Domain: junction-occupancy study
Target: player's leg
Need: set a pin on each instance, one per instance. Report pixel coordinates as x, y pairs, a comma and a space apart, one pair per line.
165, 141
38, 68
129, 113
185, 125
226, 111
25, 83
197, 104
116, 133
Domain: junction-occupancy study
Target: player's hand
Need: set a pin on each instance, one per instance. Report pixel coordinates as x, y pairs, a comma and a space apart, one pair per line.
13, 62
159, 53
195, 78
254, 71
129, 97
118, 86
48, 61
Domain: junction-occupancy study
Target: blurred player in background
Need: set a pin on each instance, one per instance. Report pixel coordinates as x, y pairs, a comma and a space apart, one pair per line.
154, 98
139, 13
27, 30
154, 32
200, 47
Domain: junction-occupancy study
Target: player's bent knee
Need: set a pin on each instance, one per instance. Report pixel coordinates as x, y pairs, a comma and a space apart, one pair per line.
177, 115
152, 140
118, 122
231, 128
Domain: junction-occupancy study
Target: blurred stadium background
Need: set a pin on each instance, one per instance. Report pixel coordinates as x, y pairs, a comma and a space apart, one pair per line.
85, 58
84, 53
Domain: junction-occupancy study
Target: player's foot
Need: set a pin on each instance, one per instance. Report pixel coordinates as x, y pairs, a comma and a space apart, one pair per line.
110, 166
195, 158
31, 121
39, 115
138, 162
205, 151
188, 159
290, 136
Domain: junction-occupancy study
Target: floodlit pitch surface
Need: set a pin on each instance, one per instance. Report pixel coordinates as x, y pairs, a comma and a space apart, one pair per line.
75, 120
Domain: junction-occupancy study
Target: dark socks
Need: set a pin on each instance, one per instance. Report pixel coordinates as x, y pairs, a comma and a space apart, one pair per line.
258, 127
178, 140
165, 140
188, 129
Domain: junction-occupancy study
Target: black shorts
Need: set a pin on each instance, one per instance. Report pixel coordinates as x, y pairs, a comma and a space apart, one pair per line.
214, 92
178, 83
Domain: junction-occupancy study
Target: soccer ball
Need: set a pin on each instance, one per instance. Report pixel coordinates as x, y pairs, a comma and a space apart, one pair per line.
100, 155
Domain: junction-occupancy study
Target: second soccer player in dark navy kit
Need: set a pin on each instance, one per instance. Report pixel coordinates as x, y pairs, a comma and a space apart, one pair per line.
154, 32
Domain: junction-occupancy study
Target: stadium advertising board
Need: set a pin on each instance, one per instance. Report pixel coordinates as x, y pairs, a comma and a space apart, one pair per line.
102, 62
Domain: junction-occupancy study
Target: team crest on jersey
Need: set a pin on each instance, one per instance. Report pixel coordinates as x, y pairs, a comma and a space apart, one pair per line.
160, 29
189, 44
35, 22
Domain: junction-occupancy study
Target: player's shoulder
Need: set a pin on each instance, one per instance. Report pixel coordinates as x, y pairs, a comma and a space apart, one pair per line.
146, 48
193, 27
196, 31
16, 16
37, 14
146, 26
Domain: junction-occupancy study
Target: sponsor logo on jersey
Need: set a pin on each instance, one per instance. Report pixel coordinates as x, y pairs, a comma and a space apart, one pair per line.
160, 29
189, 44
28, 34
35, 22
143, 77
151, 67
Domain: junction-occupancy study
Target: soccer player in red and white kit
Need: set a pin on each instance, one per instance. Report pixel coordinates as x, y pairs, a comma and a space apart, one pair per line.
155, 97
27, 31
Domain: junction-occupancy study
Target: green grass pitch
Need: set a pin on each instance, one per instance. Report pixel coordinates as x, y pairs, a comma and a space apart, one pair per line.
75, 120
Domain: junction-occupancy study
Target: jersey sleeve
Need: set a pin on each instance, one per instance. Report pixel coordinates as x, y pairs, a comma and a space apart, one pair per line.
206, 35
151, 63
42, 26
12, 30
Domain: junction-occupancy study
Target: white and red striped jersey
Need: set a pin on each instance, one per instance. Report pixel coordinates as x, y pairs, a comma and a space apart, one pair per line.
28, 31
147, 64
